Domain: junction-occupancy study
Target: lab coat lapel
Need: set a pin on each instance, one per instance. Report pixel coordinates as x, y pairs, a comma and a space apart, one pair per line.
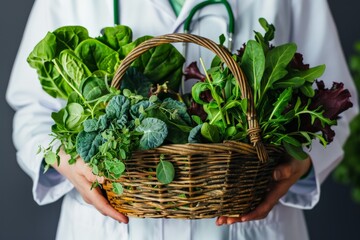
185, 11
165, 8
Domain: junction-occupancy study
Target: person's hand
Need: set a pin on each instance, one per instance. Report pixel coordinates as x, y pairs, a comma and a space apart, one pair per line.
284, 175
81, 176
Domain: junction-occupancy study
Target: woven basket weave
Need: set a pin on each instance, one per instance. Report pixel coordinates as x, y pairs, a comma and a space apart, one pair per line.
225, 179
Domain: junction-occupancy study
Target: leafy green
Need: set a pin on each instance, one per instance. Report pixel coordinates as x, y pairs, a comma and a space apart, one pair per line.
136, 82
87, 144
161, 64
165, 172
154, 133
93, 88
253, 63
210, 132
117, 188
104, 125
69, 37
98, 56
116, 37
117, 107
73, 67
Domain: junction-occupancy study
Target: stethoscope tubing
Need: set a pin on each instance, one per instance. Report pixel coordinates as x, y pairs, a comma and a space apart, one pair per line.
187, 23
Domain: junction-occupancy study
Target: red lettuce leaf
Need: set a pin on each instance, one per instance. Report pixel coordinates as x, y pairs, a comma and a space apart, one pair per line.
192, 72
333, 101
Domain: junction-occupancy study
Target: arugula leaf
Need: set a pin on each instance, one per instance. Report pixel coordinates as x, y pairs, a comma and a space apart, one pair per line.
295, 151
281, 103
310, 74
293, 82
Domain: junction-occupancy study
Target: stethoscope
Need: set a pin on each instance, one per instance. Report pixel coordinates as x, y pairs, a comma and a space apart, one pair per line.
187, 23
188, 20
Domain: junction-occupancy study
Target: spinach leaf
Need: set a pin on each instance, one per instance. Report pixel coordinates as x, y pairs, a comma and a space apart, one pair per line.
253, 64
162, 64
154, 133
41, 59
74, 67
93, 88
295, 151
293, 82
136, 82
69, 37
75, 116
211, 133
116, 37
44, 51
98, 56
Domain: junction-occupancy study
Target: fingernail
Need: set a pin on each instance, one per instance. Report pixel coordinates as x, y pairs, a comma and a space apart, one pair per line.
276, 174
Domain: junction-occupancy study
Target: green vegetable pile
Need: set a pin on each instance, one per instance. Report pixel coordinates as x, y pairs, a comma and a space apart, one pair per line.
291, 113
104, 125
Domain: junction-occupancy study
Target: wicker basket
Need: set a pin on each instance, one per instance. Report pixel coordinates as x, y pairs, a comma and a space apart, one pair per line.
225, 179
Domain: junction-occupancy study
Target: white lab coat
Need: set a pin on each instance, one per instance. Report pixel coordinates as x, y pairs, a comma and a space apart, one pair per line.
306, 22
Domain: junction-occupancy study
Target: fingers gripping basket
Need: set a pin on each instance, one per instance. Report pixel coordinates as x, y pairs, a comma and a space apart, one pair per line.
225, 179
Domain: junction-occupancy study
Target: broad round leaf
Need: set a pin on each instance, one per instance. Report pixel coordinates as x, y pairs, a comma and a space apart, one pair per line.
155, 132
165, 172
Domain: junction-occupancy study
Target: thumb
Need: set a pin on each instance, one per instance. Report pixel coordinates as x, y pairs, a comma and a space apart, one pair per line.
283, 171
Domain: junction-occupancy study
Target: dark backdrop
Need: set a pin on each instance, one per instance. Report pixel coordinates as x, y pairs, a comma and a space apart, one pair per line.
335, 217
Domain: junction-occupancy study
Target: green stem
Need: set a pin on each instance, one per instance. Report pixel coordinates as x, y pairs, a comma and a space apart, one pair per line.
59, 69
213, 93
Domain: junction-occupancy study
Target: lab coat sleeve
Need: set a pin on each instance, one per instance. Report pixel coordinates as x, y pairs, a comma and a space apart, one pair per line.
315, 33
32, 121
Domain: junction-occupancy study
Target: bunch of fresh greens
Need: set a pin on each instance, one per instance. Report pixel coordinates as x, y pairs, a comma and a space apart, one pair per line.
290, 112
348, 172
102, 124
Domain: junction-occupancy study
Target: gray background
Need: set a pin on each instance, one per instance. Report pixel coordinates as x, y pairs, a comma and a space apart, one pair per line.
335, 217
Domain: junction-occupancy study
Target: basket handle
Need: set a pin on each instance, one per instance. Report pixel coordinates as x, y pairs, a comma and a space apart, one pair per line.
254, 128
